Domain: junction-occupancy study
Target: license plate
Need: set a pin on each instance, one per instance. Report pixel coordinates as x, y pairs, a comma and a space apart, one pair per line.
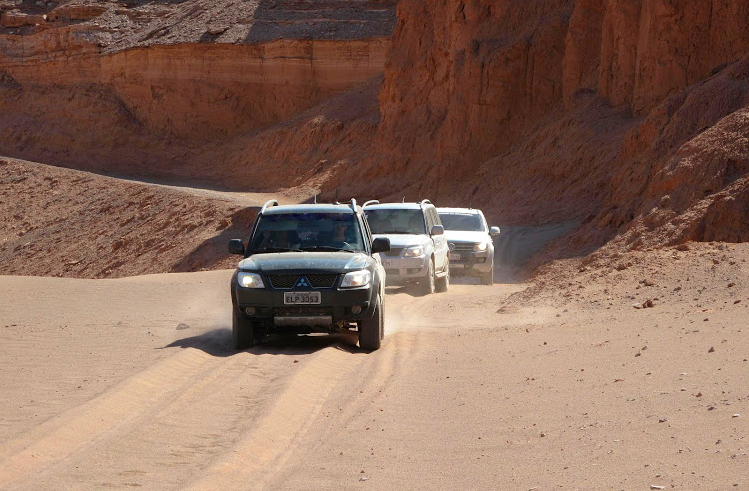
454, 256
386, 264
301, 298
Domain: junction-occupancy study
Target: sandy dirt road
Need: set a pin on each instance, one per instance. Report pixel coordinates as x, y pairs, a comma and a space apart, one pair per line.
115, 384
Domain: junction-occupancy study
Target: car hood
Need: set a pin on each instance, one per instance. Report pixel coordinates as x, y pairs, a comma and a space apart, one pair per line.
305, 261
405, 240
460, 236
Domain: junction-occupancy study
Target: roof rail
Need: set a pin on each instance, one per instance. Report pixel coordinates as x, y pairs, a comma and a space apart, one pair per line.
268, 204
353, 204
425, 201
370, 202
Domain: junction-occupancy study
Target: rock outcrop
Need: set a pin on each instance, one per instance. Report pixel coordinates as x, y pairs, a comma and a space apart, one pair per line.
639, 52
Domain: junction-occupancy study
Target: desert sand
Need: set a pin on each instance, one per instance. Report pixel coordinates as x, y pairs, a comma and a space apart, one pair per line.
607, 139
555, 384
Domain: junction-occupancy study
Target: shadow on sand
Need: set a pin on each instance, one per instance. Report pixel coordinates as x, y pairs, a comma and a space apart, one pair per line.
218, 343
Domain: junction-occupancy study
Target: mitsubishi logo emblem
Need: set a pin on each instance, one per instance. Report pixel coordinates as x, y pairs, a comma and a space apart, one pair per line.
302, 282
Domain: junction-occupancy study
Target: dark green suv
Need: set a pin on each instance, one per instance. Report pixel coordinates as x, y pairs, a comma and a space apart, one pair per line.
309, 269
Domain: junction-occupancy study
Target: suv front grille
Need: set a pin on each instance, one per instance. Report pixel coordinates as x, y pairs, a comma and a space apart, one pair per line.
462, 246
288, 281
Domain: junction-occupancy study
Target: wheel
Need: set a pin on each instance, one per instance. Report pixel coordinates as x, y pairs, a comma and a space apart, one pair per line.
371, 331
443, 283
426, 286
488, 278
242, 331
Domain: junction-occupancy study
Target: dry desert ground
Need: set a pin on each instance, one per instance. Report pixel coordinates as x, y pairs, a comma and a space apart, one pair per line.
565, 382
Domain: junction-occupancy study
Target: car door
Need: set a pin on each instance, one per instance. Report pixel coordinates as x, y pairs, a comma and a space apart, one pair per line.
440, 242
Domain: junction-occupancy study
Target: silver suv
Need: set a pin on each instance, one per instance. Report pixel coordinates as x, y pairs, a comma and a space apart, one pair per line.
470, 242
418, 247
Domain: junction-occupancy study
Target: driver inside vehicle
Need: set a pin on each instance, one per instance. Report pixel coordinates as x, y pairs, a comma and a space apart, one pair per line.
340, 237
416, 225
281, 239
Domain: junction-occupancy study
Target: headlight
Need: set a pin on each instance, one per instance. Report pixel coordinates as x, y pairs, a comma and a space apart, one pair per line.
482, 246
356, 279
250, 280
414, 251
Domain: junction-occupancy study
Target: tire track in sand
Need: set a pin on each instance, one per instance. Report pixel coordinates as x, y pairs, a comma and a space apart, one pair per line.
63, 435
255, 459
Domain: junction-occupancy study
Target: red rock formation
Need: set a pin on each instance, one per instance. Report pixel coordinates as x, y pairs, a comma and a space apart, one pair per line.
611, 112
646, 50
199, 90
463, 79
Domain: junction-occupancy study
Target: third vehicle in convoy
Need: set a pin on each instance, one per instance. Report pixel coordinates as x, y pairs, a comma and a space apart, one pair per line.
470, 242
418, 247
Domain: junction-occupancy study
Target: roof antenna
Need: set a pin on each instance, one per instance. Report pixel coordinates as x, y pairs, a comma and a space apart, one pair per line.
404, 199
315, 198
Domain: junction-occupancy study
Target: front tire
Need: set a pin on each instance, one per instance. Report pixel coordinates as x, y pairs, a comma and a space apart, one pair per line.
426, 286
372, 330
488, 278
443, 283
242, 331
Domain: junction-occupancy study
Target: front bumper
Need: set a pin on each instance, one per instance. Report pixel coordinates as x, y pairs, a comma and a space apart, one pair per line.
471, 262
336, 308
403, 270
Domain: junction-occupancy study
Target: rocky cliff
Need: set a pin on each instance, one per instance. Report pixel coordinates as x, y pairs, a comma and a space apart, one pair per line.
590, 110
118, 87
627, 116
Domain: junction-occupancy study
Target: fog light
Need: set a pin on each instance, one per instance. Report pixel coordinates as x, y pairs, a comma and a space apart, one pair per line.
250, 310
356, 310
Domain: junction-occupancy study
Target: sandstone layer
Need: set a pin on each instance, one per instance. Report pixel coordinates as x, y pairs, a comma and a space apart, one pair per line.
144, 88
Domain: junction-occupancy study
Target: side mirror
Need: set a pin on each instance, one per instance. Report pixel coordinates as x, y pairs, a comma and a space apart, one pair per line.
380, 244
437, 230
494, 231
236, 246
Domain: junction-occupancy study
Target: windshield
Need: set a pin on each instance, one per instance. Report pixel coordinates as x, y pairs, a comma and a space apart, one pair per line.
307, 232
464, 222
386, 221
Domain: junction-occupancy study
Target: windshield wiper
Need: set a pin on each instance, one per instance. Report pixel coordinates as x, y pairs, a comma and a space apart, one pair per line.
327, 248
276, 249
394, 232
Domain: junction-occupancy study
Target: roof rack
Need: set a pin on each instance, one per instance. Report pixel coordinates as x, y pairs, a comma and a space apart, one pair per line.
370, 202
425, 201
268, 204
353, 204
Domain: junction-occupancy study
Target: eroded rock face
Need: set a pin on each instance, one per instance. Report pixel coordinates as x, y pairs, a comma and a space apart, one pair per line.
464, 78
468, 80
646, 50
192, 69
